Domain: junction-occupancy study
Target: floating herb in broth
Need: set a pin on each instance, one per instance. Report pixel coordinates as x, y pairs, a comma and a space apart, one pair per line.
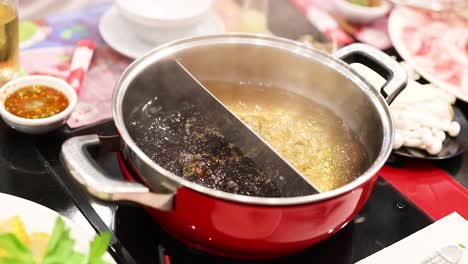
311, 137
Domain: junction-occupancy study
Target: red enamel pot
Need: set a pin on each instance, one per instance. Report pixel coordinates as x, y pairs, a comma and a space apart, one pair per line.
230, 224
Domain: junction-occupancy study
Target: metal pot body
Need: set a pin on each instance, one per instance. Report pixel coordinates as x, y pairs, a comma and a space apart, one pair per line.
244, 231
231, 224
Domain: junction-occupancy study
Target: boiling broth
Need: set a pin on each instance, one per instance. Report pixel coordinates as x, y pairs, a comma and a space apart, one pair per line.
183, 141
312, 138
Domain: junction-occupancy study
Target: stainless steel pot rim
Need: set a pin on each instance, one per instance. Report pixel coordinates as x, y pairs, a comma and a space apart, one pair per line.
271, 41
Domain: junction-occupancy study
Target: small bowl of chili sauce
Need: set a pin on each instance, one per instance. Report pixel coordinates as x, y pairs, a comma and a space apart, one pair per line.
36, 104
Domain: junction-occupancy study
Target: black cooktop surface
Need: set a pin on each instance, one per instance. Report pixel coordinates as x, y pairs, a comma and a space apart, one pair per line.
386, 218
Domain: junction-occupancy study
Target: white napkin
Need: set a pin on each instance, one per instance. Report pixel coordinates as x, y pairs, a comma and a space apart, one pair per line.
444, 242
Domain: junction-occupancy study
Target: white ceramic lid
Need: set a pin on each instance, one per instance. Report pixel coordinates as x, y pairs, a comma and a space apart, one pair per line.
163, 12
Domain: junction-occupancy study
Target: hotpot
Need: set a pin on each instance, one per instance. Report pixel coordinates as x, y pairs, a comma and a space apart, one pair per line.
230, 224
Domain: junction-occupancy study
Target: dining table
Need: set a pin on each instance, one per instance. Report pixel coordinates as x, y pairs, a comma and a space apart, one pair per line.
409, 195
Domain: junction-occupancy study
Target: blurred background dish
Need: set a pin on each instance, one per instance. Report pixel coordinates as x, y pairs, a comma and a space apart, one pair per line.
362, 11
123, 40
122, 36
433, 5
435, 45
163, 21
166, 13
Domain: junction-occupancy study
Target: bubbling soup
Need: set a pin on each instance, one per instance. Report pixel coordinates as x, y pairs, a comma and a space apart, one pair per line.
309, 136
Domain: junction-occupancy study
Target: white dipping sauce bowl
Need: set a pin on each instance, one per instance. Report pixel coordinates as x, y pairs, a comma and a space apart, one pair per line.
41, 125
361, 14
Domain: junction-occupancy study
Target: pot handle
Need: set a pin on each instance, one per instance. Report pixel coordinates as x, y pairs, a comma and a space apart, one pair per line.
81, 166
396, 76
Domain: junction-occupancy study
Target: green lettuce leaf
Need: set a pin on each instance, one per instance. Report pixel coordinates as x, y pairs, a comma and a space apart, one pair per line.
98, 248
17, 252
59, 248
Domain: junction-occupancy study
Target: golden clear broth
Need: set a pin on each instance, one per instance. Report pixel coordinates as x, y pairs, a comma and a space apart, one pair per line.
311, 137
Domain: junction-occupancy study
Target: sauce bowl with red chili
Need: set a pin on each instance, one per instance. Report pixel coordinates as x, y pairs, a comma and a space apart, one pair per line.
36, 104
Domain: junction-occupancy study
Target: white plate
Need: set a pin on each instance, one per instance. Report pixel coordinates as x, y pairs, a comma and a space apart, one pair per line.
118, 34
396, 23
38, 218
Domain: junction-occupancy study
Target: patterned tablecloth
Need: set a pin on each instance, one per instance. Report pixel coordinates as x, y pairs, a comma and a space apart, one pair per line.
46, 48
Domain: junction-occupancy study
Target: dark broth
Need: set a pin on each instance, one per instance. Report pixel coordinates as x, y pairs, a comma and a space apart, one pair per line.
185, 143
